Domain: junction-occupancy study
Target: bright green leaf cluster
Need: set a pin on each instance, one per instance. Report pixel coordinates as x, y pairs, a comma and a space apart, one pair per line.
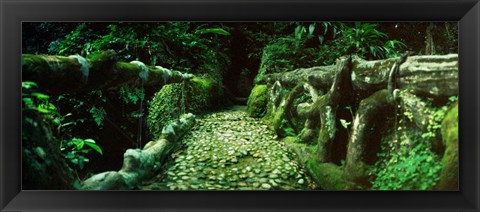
414, 168
76, 149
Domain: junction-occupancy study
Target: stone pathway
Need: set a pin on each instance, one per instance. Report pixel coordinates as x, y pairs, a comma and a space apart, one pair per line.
230, 151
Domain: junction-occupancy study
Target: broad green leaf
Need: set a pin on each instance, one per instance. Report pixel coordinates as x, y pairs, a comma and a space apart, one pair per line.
40, 96
219, 31
311, 28
94, 146
42, 109
89, 140
320, 38
28, 84
344, 123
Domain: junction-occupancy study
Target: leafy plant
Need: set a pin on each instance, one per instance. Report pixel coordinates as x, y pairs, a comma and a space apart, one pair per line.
76, 150
408, 162
366, 41
129, 95
219, 31
98, 114
76, 42
38, 101
345, 123
414, 168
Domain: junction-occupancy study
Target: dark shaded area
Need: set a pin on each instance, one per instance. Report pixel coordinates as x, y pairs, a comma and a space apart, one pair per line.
43, 166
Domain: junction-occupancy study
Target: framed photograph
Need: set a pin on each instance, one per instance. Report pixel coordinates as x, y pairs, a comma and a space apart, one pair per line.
239, 105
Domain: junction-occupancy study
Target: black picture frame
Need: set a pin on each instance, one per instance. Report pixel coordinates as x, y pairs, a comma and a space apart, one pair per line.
13, 12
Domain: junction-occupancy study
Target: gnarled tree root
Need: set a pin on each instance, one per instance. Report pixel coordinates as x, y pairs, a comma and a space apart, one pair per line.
323, 111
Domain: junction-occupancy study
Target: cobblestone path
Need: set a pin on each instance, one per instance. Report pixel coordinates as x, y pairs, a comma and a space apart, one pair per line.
230, 151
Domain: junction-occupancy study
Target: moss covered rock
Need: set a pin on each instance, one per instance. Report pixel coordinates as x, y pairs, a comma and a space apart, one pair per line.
257, 101
193, 96
449, 173
328, 175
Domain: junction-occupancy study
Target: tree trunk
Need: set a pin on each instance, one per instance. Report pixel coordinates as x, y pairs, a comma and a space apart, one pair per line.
429, 44
324, 109
371, 111
139, 165
371, 117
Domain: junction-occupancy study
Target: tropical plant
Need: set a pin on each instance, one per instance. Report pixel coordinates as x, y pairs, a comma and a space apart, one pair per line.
366, 41
75, 151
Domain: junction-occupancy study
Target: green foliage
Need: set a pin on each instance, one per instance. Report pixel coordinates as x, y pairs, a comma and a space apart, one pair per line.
364, 40
76, 42
408, 168
437, 114
167, 104
345, 123
219, 31
129, 95
286, 54
38, 101
320, 43
76, 150
98, 114
409, 163
189, 47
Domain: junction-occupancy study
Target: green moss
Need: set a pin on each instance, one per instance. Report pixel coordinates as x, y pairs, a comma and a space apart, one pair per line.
257, 101
280, 125
278, 122
163, 108
450, 127
290, 139
205, 84
127, 66
328, 175
128, 71
449, 173
166, 105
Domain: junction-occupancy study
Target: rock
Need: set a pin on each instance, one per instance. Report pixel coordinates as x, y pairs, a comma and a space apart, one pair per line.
273, 176
242, 184
257, 101
449, 172
273, 183
266, 186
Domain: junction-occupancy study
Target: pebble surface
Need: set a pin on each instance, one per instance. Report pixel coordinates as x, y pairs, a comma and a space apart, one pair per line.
230, 151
